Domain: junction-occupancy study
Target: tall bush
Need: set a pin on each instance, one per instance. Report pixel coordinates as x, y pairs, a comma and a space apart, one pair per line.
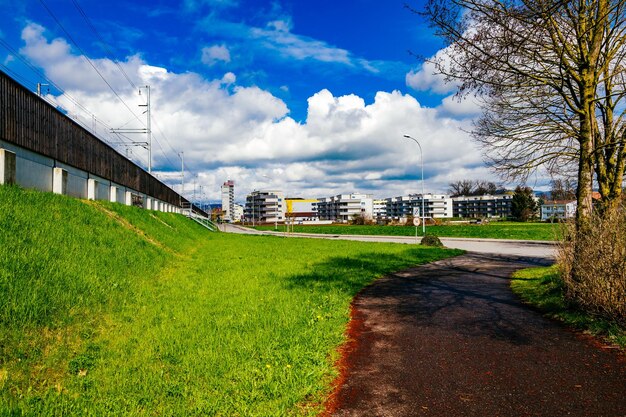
594, 265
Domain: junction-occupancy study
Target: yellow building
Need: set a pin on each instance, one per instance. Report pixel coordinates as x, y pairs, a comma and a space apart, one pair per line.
299, 209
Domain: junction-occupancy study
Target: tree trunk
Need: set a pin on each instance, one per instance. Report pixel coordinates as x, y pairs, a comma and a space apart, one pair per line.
585, 177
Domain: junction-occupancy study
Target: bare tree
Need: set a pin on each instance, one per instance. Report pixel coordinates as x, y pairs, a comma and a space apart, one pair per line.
469, 187
464, 187
550, 78
563, 189
482, 187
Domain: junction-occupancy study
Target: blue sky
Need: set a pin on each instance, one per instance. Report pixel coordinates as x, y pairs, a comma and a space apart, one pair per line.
309, 97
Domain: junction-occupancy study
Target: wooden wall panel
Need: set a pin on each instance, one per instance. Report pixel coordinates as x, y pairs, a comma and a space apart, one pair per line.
30, 122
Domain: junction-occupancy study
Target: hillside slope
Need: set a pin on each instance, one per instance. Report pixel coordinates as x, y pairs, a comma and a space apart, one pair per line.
65, 265
111, 310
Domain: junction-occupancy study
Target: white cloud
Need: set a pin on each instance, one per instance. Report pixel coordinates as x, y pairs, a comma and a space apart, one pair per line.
281, 25
428, 77
229, 78
239, 132
10, 58
211, 55
466, 106
287, 44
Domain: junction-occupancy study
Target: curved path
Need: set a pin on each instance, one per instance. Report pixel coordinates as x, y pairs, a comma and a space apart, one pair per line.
451, 339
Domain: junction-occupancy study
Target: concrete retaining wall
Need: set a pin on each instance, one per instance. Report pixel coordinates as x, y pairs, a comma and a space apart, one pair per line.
31, 170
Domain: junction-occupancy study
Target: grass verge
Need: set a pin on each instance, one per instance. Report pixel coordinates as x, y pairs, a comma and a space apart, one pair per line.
112, 310
543, 288
493, 230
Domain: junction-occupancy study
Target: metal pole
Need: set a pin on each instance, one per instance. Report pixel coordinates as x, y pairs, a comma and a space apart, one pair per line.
149, 132
423, 197
422, 163
182, 173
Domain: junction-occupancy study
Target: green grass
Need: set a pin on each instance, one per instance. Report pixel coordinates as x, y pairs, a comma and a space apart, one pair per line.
543, 288
112, 310
492, 230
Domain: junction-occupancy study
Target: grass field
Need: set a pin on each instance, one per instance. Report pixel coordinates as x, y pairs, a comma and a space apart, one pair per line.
112, 310
542, 288
493, 230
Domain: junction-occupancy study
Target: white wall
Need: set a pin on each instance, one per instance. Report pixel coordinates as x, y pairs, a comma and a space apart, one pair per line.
36, 171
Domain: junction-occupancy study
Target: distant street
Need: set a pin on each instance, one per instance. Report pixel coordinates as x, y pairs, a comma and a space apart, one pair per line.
532, 249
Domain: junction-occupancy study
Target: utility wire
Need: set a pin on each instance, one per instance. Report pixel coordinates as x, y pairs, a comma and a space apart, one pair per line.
105, 45
164, 136
84, 55
74, 101
53, 84
108, 51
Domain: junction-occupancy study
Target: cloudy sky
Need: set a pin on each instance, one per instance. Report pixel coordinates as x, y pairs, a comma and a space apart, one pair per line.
310, 97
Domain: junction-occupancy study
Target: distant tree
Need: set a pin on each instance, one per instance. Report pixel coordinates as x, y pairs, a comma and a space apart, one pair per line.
358, 219
563, 189
523, 205
458, 188
216, 214
484, 187
472, 187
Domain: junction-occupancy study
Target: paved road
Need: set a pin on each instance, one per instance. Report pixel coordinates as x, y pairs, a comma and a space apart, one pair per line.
535, 249
450, 339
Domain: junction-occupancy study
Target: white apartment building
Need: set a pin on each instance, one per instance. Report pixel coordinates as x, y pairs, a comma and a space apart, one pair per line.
379, 209
343, 207
436, 206
238, 211
228, 201
558, 210
265, 207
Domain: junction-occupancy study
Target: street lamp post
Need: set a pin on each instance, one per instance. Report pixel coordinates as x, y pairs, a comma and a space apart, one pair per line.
422, 163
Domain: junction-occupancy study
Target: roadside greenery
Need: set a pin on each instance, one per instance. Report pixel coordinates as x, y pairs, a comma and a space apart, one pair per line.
492, 230
544, 289
113, 310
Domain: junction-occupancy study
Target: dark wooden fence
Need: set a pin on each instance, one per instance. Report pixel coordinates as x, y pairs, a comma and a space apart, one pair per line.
30, 122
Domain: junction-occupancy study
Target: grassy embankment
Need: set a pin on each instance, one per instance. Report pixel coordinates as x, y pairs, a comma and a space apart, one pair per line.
543, 288
112, 310
492, 230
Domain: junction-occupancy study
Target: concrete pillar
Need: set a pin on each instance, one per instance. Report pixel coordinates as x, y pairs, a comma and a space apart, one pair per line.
128, 198
92, 186
148, 203
7, 167
59, 181
113, 194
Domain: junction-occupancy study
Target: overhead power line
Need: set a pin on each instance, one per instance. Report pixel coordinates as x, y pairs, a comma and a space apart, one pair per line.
84, 55
104, 44
108, 51
126, 141
42, 76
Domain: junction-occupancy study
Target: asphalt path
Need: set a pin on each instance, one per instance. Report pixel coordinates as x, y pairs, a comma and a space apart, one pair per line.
451, 339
